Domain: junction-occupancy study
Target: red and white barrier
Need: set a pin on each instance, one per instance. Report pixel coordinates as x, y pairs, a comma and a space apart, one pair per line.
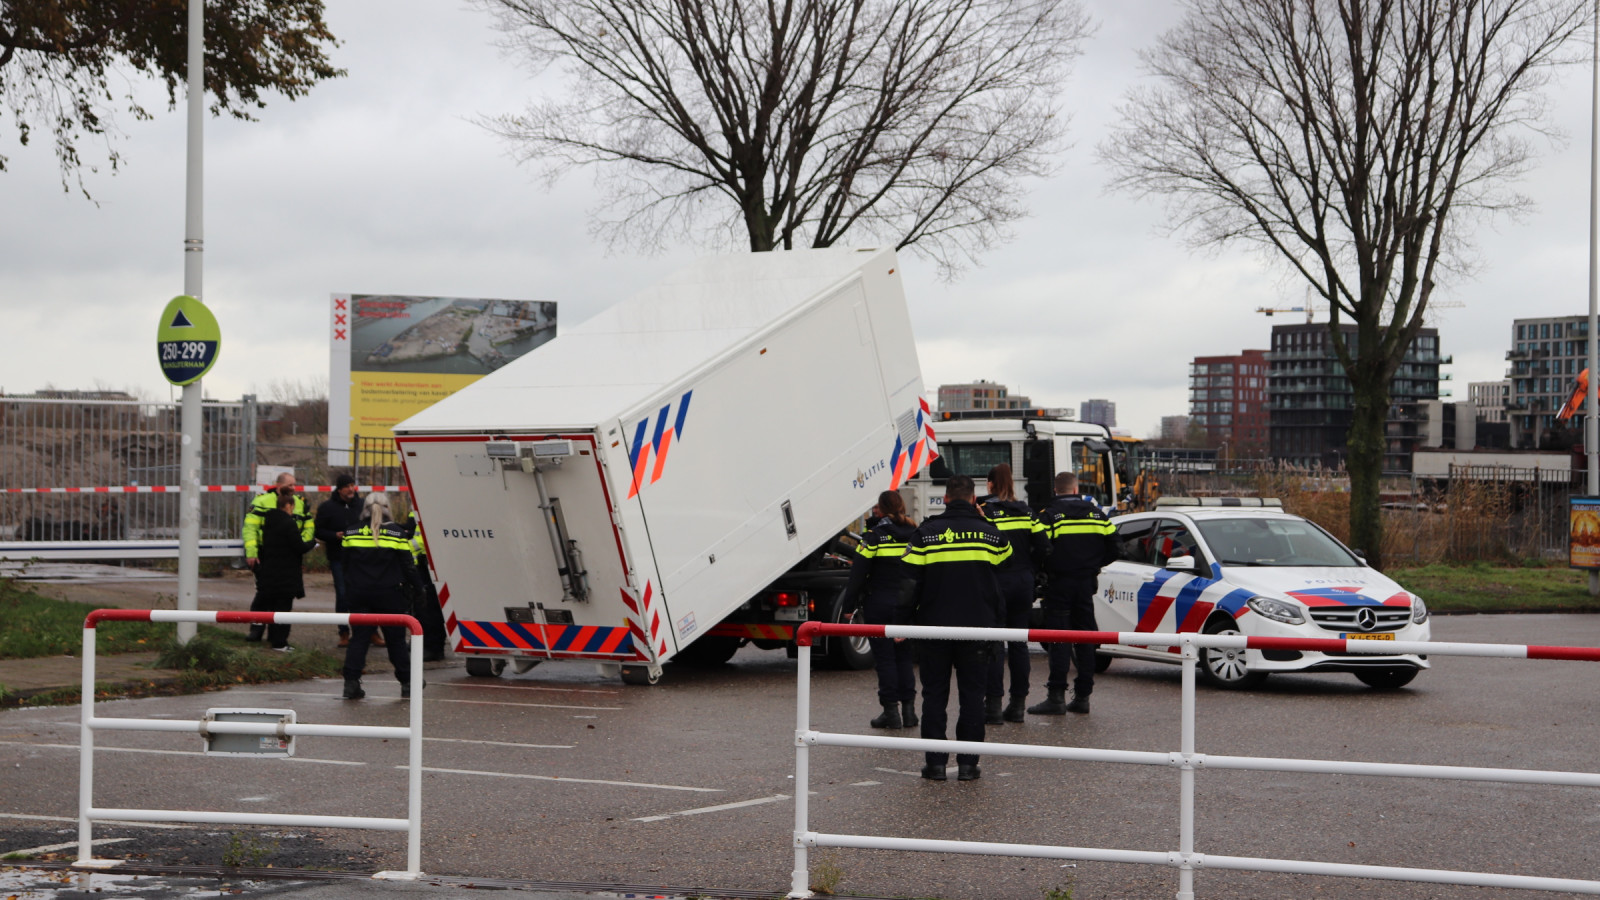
208, 488
1185, 760
88, 812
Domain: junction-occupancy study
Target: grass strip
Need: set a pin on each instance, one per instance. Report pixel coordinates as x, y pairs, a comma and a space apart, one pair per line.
216, 658
1485, 587
32, 626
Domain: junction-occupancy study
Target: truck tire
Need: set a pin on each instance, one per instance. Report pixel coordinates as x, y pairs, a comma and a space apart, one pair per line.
854, 653
485, 666
645, 676
709, 652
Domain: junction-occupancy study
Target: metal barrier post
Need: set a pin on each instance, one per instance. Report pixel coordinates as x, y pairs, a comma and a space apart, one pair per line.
86, 758
800, 883
1186, 778
88, 812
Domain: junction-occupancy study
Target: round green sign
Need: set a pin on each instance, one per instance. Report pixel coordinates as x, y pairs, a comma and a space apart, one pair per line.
188, 341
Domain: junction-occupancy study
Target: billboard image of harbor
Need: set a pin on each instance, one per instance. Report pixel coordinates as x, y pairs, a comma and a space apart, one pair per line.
445, 335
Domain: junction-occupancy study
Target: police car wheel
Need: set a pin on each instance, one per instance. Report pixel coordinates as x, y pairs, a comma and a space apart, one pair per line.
485, 667
1102, 662
1226, 668
1387, 678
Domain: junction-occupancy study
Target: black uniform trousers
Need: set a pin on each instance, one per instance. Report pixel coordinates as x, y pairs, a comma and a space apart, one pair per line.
1017, 589
1069, 604
970, 660
274, 601
394, 636
896, 682
430, 614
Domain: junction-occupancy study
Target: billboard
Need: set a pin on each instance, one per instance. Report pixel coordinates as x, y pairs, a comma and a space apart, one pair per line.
394, 355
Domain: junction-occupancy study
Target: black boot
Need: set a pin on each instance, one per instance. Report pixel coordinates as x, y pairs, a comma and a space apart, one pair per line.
991, 711
908, 713
1079, 704
352, 689
890, 717
1053, 705
1015, 709
256, 631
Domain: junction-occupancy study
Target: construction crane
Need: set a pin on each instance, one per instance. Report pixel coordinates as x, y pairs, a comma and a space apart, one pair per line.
1270, 310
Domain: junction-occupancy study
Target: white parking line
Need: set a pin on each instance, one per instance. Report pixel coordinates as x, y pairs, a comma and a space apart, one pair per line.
896, 771
719, 808
104, 749
865, 783
29, 818
334, 696
502, 743
635, 784
525, 687
51, 848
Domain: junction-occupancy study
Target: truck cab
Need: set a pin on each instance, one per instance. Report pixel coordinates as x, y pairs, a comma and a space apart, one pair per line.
1034, 444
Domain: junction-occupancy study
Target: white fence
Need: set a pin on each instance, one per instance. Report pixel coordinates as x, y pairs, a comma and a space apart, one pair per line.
1185, 760
88, 812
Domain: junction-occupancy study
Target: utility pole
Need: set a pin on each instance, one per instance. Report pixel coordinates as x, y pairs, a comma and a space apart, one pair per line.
193, 250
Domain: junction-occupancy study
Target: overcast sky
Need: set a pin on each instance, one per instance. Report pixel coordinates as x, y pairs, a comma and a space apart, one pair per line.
380, 183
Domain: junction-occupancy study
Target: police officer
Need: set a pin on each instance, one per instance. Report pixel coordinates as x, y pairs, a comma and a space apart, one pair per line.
379, 573
1082, 542
337, 515
1029, 547
952, 562
877, 580
262, 506
426, 607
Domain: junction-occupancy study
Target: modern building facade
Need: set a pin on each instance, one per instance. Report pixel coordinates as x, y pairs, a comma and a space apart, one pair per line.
1098, 412
1228, 400
1490, 399
979, 395
1310, 403
1546, 355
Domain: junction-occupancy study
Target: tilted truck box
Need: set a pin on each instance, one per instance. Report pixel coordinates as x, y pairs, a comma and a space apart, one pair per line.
618, 492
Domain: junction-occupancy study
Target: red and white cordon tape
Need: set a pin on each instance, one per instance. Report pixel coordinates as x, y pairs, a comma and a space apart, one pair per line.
209, 488
812, 630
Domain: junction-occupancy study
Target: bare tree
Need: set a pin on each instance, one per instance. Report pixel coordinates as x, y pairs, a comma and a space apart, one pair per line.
1356, 141
796, 122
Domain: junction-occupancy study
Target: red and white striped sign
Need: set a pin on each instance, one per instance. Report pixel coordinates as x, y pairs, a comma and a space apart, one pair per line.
209, 488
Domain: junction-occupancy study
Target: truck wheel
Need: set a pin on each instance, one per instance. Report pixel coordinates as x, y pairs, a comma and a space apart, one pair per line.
714, 650
641, 675
853, 652
485, 667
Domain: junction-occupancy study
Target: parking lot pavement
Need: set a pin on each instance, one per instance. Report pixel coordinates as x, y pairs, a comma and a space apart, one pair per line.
566, 775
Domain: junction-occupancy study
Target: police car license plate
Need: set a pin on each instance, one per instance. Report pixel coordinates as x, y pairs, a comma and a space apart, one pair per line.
1367, 637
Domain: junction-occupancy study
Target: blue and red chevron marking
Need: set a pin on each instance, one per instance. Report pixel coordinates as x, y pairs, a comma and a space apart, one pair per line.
589, 640
659, 444
1192, 611
1345, 596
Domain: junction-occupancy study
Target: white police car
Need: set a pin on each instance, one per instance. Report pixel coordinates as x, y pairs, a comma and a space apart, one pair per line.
1243, 566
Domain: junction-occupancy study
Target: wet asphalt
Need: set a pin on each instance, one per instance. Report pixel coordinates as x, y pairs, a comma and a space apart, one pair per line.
563, 774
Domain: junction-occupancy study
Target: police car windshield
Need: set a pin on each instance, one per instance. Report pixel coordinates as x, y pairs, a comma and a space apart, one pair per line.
1272, 542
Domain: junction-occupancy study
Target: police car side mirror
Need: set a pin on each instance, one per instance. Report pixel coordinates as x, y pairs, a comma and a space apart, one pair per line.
1180, 564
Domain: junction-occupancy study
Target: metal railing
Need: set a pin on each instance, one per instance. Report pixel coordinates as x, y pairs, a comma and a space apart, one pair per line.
53, 442
88, 812
1186, 760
